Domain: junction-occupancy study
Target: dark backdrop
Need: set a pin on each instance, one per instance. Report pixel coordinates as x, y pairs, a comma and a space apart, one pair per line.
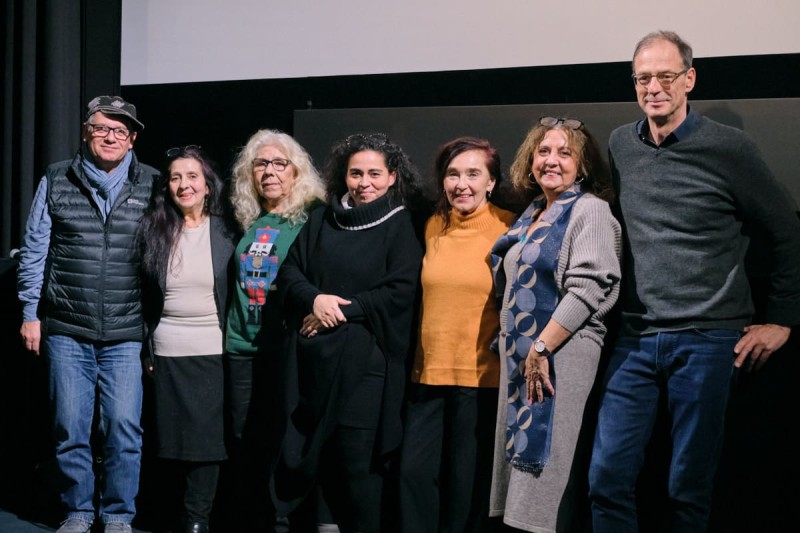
220, 116
57, 55
420, 130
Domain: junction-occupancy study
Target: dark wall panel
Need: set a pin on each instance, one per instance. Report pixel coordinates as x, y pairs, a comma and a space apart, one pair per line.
420, 130
220, 116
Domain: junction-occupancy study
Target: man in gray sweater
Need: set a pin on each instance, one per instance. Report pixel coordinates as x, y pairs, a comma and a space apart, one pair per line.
691, 193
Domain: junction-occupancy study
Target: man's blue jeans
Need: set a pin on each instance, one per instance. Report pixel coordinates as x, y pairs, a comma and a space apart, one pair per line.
694, 369
80, 372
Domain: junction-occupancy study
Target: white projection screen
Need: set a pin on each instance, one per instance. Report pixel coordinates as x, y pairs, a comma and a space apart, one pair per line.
177, 41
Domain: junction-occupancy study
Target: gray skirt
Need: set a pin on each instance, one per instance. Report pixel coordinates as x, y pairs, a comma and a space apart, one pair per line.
556, 500
189, 400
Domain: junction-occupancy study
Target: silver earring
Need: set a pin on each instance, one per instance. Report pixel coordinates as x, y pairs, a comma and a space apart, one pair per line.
579, 180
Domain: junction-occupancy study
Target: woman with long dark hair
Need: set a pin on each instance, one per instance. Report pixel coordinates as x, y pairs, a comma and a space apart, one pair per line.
187, 247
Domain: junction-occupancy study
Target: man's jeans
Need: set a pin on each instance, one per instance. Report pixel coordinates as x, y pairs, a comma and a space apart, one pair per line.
79, 370
694, 369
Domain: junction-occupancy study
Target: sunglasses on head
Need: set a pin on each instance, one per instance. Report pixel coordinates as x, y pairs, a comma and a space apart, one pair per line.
571, 123
176, 151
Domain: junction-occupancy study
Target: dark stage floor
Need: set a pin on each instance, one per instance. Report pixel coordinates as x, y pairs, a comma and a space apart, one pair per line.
11, 523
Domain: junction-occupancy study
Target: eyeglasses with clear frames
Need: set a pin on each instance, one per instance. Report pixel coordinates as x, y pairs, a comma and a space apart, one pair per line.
101, 130
260, 165
665, 79
571, 123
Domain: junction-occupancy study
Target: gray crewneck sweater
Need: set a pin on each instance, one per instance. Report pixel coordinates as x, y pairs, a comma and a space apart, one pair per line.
688, 209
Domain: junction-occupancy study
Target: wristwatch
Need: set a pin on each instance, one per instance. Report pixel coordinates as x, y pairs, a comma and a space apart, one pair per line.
541, 348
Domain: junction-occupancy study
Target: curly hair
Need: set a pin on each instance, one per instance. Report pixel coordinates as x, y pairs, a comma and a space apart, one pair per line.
307, 187
163, 221
592, 167
449, 151
407, 188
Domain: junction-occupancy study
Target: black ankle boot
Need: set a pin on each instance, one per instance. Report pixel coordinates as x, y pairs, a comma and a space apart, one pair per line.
196, 527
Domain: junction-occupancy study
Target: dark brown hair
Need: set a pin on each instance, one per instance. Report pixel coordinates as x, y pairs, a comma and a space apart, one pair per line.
448, 152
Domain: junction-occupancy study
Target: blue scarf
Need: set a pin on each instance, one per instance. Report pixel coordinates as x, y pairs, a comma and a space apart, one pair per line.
105, 186
533, 299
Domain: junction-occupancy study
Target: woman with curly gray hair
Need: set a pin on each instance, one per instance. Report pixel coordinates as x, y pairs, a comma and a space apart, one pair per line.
274, 185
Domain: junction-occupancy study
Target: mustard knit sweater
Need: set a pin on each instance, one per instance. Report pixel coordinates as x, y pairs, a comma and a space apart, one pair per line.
458, 318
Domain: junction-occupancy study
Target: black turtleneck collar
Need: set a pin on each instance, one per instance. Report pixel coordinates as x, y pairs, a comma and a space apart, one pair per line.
366, 215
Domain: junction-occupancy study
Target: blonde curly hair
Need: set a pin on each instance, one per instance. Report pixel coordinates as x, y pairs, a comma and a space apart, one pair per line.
307, 187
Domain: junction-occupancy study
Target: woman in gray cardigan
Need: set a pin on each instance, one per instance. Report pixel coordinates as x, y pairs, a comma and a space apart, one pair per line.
557, 275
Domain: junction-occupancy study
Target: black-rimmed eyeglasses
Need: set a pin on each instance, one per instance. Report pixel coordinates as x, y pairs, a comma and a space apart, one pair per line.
101, 130
176, 151
260, 165
664, 78
551, 122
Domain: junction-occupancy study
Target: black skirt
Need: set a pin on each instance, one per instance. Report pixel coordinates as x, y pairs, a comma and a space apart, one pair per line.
189, 403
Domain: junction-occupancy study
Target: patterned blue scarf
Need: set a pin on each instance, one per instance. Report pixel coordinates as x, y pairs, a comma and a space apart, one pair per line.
534, 297
105, 186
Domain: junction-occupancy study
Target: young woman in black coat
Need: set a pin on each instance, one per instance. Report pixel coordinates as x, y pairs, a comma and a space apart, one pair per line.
349, 284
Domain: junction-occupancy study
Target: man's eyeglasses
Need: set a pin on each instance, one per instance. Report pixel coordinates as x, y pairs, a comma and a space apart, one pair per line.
176, 151
664, 78
260, 165
571, 123
100, 130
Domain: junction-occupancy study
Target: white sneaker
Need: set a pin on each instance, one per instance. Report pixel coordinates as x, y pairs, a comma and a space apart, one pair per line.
117, 527
74, 525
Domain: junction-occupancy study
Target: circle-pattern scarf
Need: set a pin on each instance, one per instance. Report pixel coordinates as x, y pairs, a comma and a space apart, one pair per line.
532, 300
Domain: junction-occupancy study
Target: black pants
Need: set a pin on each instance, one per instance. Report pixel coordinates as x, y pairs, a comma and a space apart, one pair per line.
446, 459
349, 490
248, 505
350, 482
195, 483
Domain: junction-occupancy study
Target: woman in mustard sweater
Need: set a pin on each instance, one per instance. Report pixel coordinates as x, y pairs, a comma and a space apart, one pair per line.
446, 458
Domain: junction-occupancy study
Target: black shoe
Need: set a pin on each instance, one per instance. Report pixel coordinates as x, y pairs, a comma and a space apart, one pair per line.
196, 527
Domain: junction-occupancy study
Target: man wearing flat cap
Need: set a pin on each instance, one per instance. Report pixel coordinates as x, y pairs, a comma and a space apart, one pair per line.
79, 286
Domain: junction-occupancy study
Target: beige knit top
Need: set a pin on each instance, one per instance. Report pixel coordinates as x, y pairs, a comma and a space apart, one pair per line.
189, 323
